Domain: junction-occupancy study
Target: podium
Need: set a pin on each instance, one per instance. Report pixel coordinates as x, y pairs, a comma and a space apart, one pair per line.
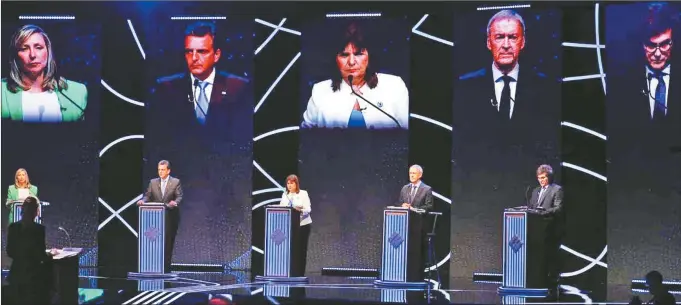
18, 206
151, 241
402, 256
524, 235
282, 246
65, 275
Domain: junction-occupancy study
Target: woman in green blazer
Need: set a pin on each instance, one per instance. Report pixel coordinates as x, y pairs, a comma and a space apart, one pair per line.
34, 91
21, 189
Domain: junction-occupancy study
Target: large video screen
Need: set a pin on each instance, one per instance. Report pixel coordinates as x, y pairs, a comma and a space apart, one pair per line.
200, 119
50, 126
644, 126
354, 140
506, 122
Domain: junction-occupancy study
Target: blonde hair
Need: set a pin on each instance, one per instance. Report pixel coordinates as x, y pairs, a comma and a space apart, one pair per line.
16, 181
15, 81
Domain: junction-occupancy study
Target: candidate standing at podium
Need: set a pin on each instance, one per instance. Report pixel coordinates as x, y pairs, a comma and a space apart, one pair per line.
20, 190
168, 190
29, 274
548, 197
416, 194
299, 200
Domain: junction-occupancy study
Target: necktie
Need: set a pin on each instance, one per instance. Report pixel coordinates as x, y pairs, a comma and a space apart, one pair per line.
505, 101
660, 97
163, 187
541, 194
356, 117
202, 103
412, 193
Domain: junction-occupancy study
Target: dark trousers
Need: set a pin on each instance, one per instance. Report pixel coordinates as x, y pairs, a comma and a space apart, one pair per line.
172, 223
304, 238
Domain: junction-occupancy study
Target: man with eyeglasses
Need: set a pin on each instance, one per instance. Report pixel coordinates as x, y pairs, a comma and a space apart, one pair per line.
657, 48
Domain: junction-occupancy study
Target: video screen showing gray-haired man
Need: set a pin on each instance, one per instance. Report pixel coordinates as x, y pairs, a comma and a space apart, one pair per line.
506, 119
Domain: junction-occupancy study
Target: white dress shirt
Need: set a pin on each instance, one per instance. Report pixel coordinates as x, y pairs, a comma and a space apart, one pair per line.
197, 90
22, 194
499, 85
653, 88
40, 107
329, 109
299, 200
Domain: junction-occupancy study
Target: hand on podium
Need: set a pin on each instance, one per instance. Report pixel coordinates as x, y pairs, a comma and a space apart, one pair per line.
406, 205
172, 204
53, 252
140, 202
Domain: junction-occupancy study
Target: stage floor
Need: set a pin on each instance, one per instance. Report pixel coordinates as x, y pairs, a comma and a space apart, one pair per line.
199, 287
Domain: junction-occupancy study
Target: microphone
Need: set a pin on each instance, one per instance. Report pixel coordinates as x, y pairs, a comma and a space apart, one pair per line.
527, 198
41, 111
196, 85
350, 77
67, 235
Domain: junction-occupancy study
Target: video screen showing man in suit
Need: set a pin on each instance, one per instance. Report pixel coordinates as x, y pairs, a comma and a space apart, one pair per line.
200, 116
506, 119
644, 125
50, 124
353, 138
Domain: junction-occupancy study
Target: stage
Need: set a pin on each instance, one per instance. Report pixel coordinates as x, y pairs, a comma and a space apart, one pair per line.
99, 286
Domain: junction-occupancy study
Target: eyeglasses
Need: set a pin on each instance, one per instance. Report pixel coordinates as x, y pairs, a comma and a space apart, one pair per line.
663, 46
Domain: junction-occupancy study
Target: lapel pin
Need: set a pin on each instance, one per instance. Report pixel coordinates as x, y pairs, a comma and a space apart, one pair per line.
380, 104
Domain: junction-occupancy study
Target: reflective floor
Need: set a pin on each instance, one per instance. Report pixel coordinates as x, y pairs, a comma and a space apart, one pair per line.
112, 287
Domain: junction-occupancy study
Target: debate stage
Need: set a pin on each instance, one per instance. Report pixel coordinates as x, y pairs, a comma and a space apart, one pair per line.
111, 287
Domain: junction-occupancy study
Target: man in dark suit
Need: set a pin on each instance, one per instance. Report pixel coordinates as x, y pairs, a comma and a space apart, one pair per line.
204, 102
504, 99
168, 190
548, 197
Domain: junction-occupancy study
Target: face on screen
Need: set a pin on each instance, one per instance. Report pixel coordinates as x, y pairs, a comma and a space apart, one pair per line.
200, 55
414, 175
543, 179
659, 49
163, 171
506, 39
352, 61
33, 54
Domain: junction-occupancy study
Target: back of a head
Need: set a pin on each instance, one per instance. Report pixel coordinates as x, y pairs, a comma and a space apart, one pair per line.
654, 278
29, 209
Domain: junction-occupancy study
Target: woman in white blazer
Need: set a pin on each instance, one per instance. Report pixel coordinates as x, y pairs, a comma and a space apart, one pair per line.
299, 200
334, 105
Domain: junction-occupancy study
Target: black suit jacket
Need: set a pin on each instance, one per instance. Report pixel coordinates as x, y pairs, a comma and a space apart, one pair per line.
173, 191
551, 201
26, 247
423, 199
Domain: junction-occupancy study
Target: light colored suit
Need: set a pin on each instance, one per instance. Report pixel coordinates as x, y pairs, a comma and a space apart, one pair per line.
329, 109
299, 200
13, 195
75, 93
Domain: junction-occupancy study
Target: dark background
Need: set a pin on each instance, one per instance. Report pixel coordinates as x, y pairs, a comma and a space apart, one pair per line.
61, 158
216, 177
583, 103
644, 177
488, 176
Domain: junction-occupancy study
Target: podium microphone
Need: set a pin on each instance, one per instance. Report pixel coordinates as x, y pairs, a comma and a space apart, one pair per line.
67, 235
350, 77
527, 198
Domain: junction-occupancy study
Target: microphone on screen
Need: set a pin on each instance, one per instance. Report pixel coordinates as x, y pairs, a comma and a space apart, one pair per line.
350, 77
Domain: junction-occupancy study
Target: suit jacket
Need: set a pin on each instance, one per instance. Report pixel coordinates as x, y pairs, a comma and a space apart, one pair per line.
13, 195
536, 112
299, 200
551, 201
173, 192
75, 94
329, 109
423, 199
26, 247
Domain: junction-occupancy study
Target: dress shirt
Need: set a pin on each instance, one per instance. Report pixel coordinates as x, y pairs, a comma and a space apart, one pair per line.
653, 88
41, 107
329, 109
196, 90
499, 85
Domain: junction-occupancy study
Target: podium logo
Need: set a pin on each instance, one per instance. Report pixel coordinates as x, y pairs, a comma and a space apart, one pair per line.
395, 240
278, 237
151, 233
515, 244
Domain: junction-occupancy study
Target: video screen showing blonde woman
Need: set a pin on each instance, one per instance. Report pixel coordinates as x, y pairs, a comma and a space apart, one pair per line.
48, 74
50, 128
